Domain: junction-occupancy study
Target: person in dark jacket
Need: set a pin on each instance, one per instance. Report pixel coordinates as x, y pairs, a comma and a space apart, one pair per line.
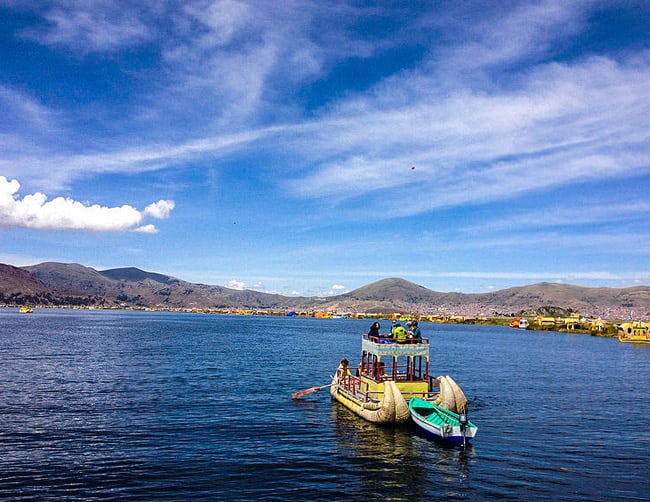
374, 330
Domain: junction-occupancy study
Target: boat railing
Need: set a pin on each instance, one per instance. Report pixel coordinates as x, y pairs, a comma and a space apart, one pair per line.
399, 373
358, 388
387, 338
353, 385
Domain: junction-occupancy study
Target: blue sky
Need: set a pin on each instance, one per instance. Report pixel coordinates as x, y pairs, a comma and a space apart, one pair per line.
308, 147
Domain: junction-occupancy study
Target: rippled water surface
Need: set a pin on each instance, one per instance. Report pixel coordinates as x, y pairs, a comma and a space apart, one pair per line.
101, 405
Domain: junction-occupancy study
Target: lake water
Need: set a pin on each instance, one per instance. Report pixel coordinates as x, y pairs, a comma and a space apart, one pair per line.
98, 405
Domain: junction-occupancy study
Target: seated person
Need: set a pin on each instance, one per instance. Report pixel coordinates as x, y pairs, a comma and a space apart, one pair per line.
399, 334
415, 334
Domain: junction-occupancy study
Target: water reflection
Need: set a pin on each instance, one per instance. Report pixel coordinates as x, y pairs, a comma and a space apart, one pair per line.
398, 463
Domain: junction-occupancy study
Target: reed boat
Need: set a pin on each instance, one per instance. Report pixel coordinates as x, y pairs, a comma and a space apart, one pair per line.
634, 332
441, 423
388, 374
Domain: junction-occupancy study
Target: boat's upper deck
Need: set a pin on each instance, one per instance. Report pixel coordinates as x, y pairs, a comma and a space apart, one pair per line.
383, 347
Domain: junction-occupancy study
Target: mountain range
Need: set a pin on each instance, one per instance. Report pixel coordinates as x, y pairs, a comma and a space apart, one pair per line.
71, 284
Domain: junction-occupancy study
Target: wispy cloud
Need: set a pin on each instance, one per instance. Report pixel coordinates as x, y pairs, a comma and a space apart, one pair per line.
584, 212
537, 276
499, 39
472, 140
565, 124
146, 158
21, 109
98, 26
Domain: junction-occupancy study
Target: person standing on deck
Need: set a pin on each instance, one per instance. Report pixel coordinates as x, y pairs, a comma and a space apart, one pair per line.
374, 330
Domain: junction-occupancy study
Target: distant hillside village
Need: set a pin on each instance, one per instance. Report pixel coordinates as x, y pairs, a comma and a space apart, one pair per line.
573, 323
544, 305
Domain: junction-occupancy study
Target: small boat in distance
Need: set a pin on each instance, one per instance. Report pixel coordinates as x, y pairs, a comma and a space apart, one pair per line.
26, 310
519, 323
440, 423
634, 332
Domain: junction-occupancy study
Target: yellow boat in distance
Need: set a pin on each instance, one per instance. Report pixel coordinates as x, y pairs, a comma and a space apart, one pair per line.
388, 376
634, 332
26, 310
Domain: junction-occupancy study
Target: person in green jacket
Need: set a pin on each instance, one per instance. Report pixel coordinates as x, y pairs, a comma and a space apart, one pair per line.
399, 334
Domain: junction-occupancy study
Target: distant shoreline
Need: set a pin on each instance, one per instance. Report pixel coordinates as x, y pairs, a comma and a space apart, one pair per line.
595, 327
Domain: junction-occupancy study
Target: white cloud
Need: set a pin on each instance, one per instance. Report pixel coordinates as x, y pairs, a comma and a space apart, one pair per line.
336, 289
235, 284
35, 211
146, 229
160, 209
